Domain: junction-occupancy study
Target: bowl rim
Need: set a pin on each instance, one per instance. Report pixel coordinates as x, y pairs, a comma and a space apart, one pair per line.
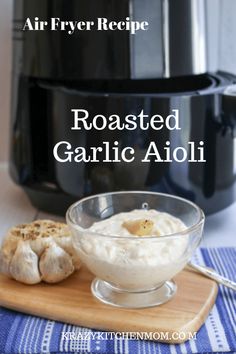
201, 220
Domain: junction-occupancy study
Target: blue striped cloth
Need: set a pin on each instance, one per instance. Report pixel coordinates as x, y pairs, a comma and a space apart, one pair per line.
20, 333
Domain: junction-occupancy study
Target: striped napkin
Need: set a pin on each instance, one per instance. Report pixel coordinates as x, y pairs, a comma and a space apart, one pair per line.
20, 333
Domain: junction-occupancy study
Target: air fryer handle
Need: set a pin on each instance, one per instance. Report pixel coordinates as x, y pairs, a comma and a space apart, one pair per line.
228, 113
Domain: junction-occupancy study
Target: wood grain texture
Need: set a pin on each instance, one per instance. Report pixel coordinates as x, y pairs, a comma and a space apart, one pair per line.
71, 301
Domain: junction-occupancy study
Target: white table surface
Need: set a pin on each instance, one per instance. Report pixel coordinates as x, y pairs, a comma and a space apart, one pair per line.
15, 208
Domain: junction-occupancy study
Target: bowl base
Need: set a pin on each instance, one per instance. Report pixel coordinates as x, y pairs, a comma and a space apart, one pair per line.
110, 295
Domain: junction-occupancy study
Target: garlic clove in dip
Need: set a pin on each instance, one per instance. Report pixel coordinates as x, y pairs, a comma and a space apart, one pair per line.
139, 227
39, 251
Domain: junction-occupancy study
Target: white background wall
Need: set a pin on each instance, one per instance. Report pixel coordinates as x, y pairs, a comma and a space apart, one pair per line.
222, 49
5, 70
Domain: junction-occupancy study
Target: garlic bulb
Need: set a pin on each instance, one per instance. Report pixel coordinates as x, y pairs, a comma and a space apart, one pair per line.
39, 251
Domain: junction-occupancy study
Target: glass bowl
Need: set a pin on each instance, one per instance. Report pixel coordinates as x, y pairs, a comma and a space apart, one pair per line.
134, 272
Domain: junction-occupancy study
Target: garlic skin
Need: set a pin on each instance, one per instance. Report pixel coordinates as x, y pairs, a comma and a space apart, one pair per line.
39, 251
55, 264
24, 264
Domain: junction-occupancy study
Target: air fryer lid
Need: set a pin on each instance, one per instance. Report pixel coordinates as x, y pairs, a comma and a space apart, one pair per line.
173, 45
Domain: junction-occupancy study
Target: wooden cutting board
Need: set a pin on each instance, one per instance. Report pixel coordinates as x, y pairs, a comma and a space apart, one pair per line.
71, 301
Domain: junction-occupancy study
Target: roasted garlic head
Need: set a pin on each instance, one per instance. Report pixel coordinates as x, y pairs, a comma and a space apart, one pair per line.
39, 251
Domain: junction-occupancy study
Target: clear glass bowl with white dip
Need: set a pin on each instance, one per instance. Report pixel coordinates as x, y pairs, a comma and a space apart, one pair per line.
135, 243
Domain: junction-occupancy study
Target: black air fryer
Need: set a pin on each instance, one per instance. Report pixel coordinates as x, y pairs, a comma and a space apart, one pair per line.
115, 72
